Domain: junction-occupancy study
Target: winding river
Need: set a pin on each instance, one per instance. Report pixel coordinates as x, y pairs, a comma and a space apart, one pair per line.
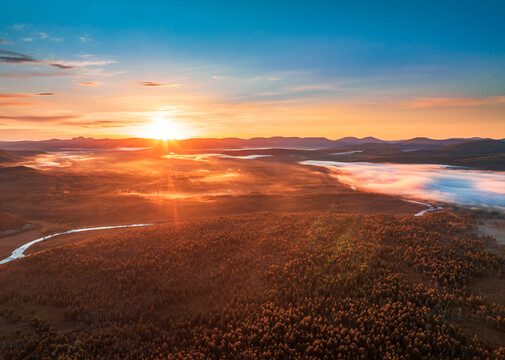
344, 178
19, 252
422, 212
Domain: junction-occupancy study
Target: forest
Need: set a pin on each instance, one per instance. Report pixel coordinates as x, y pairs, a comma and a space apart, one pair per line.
263, 286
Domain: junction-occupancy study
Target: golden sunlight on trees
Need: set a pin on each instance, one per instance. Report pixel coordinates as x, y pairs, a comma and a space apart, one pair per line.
317, 286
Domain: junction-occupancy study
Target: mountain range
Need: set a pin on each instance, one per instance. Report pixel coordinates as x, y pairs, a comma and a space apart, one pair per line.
306, 143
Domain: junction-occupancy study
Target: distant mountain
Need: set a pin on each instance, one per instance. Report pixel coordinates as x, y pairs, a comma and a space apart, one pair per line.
423, 143
261, 142
187, 144
477, 147
76, 143
349, 141
197, 143
279, 142
481, 154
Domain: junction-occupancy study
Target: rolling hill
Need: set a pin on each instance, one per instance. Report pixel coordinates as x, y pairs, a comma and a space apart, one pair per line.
480, 154
423, 143
6, 157
474, 148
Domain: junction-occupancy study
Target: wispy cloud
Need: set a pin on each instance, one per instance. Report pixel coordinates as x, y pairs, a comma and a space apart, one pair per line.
11, 57
13, 103
14, 96
90, 83
45, 36
152, 84
27, 39
28, 74
37, 118
22, 96
100, 72
426, 102
62, 66
96, 124
18, 27
3, 41
19, 103
26, 100
85, 63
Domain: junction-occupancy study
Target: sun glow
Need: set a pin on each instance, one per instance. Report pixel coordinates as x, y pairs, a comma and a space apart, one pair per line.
166, 129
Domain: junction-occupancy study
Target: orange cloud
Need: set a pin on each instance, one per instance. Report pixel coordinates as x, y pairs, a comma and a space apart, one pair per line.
19, 103
14, 96
36, 118
426, 102
21, 96
152, 84
90, 83
96, 124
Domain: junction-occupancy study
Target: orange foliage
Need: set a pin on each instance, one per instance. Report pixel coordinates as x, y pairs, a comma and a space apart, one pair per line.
260, 287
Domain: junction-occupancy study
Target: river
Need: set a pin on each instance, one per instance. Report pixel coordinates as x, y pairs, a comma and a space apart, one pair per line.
19, 252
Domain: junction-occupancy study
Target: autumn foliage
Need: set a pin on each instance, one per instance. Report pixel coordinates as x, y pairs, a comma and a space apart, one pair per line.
264, 286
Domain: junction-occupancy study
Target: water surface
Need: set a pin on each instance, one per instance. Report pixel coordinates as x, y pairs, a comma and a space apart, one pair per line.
474, 188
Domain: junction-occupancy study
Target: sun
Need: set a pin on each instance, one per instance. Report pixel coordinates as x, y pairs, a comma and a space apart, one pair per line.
162, 128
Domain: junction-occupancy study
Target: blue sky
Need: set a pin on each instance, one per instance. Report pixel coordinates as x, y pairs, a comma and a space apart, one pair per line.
228, 67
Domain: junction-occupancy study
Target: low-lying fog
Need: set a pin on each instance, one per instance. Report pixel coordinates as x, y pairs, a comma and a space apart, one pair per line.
65, 159
476, 188
438, 183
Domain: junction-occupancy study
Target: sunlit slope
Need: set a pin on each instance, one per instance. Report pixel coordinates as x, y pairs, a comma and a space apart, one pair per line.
264, 286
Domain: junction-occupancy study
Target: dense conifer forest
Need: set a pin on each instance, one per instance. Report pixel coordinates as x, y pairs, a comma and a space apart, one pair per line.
262, 286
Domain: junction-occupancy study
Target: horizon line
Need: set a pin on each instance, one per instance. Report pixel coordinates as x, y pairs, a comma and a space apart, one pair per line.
253, 138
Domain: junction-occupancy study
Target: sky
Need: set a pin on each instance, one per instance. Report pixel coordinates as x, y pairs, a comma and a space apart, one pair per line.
172, 69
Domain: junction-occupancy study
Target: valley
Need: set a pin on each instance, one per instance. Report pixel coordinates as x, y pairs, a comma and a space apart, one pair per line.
230, 249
